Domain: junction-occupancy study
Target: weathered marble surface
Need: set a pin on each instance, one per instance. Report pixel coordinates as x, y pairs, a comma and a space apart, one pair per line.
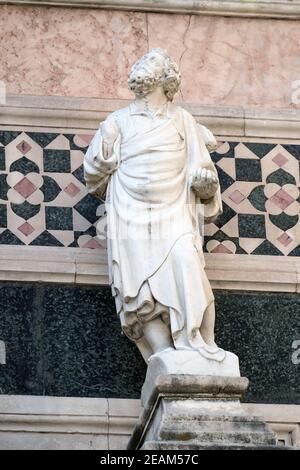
77, 52
58, 51
150, 161
198, 412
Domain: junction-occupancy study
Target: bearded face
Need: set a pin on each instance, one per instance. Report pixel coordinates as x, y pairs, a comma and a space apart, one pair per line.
147, 74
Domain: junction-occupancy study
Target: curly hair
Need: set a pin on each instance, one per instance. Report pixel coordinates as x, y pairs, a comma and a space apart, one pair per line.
169, 78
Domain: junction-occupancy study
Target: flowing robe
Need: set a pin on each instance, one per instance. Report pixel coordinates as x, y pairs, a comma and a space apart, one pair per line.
156, 262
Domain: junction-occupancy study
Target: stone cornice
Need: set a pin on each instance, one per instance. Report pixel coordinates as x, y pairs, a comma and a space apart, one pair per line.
86, 113
238, 8
84, 266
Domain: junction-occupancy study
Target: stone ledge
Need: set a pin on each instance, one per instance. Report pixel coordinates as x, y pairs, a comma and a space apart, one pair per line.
122, 415
201, 385
84, 266
85, 113
242, 8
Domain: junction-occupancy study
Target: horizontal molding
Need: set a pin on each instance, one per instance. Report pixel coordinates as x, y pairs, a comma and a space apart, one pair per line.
42, 417
54, 423
86, 113
85, 266
68, 415
252, 272
237, 8
50, 264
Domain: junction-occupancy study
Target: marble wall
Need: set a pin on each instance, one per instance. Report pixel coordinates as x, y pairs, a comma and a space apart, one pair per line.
87, 53
56, 346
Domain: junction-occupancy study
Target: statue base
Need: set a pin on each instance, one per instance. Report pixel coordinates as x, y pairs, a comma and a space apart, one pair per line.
188, 362
196, 412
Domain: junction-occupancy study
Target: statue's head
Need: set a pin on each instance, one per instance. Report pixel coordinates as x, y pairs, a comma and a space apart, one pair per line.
156, 68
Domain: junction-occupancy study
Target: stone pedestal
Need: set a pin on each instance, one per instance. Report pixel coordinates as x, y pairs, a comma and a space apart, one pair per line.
187, 362
195, 412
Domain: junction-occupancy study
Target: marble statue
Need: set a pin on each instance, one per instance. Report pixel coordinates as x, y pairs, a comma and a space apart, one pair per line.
151, 162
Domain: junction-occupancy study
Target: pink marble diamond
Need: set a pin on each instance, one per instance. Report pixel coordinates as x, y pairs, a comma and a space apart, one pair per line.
26, 229
280, 159
285, 239
282, 199
87, 138
24, 147
221, 249
93, 244
237, 197
72, 189
25, 187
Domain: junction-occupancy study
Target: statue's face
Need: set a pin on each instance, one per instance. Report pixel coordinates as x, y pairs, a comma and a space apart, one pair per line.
146, 73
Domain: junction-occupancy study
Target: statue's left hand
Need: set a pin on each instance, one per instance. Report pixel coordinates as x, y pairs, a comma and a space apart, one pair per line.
205, 183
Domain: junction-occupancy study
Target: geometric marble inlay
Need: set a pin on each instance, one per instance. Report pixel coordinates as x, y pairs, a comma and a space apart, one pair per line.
282, 199
60, 212
221, 249
26, 229
285, 239
25, 187
92, 244
24, 147
279, 159
72, 189
237, 197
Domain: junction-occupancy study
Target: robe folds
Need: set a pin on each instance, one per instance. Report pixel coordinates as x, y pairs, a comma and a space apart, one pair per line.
154, 218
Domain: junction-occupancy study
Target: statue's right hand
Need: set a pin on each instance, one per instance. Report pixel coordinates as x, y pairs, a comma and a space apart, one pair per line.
109, 131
